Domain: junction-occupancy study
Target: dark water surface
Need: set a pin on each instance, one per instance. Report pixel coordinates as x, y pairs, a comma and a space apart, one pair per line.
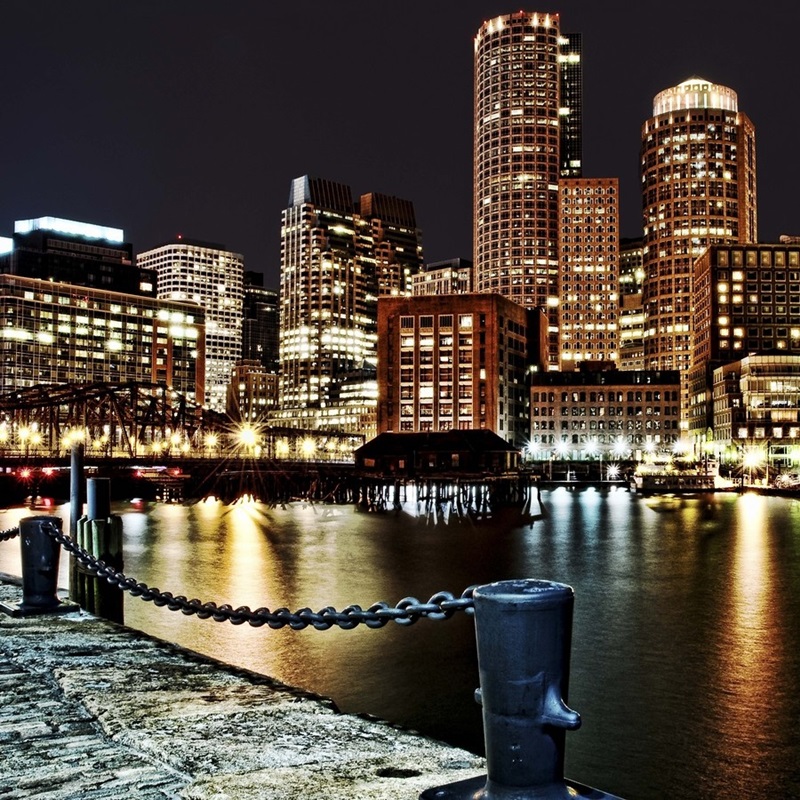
686, 638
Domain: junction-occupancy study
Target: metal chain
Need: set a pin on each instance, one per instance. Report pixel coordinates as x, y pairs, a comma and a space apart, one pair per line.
6, 536
441, 606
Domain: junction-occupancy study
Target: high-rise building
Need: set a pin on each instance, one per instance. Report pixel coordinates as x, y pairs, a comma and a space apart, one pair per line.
260, 323
210, 276
523, 65
336, 259
631, 312
698, 168
396, 241
589, 255
77, 253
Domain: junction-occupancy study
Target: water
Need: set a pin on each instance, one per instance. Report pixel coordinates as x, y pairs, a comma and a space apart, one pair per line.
686, 638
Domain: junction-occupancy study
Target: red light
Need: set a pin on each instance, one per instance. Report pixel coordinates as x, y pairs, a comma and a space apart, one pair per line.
48, 471
25, 473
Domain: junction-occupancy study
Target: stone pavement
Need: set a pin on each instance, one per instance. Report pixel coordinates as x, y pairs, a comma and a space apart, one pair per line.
90, 709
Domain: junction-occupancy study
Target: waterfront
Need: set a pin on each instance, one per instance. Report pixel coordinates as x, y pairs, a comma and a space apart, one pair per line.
686, 643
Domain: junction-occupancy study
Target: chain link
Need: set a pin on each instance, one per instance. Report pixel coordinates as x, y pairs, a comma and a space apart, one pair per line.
6, 536
441, 606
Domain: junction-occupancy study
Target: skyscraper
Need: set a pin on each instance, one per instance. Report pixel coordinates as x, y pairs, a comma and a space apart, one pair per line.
209, 276
521, 141
698, 167
336, 258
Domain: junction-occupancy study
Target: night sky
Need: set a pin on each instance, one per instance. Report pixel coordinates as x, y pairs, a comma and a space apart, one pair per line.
192, 117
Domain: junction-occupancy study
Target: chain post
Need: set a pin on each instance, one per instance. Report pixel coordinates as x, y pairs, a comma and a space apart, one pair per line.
40, 557
523, 630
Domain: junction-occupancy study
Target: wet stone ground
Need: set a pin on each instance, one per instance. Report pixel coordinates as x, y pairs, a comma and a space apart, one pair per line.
90, 709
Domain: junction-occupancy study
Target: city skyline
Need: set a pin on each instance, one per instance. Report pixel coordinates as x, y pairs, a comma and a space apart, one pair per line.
192, 120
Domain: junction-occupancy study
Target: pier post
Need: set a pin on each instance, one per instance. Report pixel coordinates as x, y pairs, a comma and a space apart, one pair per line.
76, 497
523, 630
40, 558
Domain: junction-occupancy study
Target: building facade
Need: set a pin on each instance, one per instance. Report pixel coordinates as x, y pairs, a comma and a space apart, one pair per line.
589, 270
454, 362
583, 414
454, 276
337, 257
55, 333
252, 393
757, 410
631, 310
746, 301
698, 168
260, 323
79, 253
518, 142
210, 277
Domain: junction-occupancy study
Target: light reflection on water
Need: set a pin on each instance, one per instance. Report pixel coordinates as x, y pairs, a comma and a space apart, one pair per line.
686, 643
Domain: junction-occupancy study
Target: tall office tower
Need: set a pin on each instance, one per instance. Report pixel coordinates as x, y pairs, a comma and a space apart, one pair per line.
212, 277
396, 241
589, 255
570, 111
260, 323
336, 258
518, 139
698, 163
78, 253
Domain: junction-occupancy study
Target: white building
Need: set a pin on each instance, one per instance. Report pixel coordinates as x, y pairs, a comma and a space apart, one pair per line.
213, 278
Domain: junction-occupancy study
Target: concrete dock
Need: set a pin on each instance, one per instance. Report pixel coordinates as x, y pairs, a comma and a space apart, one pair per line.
90, 709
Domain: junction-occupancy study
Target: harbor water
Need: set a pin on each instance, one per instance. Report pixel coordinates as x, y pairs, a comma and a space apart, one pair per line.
686, 637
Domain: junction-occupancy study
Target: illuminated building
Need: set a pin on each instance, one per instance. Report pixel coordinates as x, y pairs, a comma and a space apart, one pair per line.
586, 413
453, 276
253, 392
631, 311
80, 253
56, 333
698, 168
589, 256
455, 362
212, 278
336, 259
756, 408
523, 67
260, 322
746, 301
395, 241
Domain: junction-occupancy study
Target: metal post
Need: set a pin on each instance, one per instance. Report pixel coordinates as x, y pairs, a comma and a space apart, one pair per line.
75, 513
40, 556
523, 630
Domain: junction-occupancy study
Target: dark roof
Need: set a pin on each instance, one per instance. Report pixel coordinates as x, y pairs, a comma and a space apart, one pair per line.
476, 441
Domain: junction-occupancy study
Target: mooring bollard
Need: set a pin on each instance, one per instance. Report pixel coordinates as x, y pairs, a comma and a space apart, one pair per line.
40, 557
100, 534
523, 630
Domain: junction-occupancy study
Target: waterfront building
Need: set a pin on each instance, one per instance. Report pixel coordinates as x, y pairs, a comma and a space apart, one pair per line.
698, 168
58, 333
260, 322
454, 276
589, 274
519, 147
746, 301
211, 277
756, 411
252, 392
78, 253
455, 362
570, 109
593, 412
336, 259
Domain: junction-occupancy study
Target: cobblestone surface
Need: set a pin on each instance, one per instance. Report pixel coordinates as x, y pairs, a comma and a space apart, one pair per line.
90, 709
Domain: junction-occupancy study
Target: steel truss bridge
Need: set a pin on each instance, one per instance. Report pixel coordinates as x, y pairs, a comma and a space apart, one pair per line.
124, 421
